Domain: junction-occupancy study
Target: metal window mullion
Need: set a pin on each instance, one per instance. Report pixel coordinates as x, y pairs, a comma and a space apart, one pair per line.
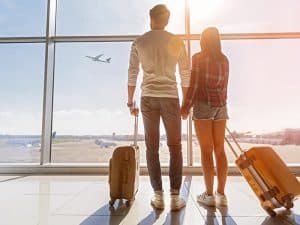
251, 36
21, 40
108, 38
48, 84
121, 38
187, 36
129, 38
189, 122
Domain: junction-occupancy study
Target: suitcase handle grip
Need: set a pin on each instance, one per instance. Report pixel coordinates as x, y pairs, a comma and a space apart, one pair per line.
134, 110
235, 141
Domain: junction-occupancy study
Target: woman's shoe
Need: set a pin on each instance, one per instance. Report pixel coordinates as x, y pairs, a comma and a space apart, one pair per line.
206, 199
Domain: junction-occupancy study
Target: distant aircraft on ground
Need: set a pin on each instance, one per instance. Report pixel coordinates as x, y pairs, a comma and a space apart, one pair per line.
53, 134
97, 58
26, 142
104, 144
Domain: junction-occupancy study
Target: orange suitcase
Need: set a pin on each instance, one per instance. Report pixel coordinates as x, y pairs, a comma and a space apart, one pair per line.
124, 171
268, 176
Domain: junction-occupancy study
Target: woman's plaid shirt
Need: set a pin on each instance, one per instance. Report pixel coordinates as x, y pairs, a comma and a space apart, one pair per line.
209, 80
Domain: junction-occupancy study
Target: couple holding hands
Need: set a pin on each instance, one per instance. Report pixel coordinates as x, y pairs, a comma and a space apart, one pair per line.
204, 89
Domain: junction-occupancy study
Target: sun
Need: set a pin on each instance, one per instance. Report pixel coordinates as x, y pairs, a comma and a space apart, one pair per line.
204, 9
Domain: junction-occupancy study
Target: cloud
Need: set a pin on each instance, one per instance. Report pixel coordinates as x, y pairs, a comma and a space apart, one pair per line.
70, 122
93, 122
20, 122
263, 119
5, 115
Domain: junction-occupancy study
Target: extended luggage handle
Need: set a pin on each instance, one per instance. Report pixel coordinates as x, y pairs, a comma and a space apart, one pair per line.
236, 143
135, 132
135, 112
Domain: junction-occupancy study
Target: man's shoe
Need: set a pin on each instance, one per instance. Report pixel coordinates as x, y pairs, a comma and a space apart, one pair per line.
221, 200
157, 200
208, 200
177, 202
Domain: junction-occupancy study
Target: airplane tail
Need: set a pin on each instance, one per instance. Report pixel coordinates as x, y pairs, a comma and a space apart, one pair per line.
108, 60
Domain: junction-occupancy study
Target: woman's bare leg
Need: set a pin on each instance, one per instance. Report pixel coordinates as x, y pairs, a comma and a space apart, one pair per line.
220, 156
204, 133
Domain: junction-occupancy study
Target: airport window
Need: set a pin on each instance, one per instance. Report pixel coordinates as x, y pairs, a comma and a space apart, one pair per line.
262, 95
92, 44
245, 16
89, 101
22, 18
90, 113
21, 91
93, 17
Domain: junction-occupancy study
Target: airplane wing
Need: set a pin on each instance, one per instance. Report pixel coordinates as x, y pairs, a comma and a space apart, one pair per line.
89, 56
98, 56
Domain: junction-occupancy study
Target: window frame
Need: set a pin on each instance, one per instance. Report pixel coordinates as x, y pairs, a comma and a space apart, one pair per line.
50, 39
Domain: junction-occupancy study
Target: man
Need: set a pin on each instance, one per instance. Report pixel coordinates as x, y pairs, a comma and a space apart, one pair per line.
159, 51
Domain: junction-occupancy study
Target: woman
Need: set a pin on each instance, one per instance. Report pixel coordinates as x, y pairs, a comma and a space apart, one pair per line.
207, 95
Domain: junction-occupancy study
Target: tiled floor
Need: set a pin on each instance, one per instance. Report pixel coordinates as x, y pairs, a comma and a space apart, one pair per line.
66, 200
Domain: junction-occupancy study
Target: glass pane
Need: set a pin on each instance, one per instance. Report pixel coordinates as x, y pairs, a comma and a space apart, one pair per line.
21, 91
23, 18
114, 17
233, 16
90, 113
263, 93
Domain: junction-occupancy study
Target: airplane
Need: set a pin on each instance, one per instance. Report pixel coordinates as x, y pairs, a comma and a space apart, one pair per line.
26, 142
97, 58
53, 134
105, 144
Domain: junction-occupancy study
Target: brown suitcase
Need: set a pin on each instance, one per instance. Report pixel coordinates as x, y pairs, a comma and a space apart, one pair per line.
268, 176
124, 171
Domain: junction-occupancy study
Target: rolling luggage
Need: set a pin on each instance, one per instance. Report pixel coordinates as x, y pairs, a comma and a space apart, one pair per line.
124, 171
268, 176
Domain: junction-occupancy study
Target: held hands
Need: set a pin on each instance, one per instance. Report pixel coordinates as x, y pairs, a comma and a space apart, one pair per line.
184, 113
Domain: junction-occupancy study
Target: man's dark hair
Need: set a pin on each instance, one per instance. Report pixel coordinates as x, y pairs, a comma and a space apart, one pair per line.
160, 14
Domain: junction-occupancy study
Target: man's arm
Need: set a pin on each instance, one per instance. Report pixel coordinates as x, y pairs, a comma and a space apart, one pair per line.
133, 71
131, 90
184, 70
130, 103
184, 92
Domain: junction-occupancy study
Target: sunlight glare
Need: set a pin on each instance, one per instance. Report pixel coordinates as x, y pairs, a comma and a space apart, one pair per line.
204, 9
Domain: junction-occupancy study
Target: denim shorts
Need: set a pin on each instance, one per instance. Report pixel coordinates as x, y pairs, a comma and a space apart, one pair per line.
202, 111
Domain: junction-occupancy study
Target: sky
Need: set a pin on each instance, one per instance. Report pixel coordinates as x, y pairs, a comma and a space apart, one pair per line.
90, 97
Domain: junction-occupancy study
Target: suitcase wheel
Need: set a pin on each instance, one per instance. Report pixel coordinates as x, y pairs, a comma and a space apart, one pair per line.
288, 204
288, 201
129, 202
112, 202
270, 211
